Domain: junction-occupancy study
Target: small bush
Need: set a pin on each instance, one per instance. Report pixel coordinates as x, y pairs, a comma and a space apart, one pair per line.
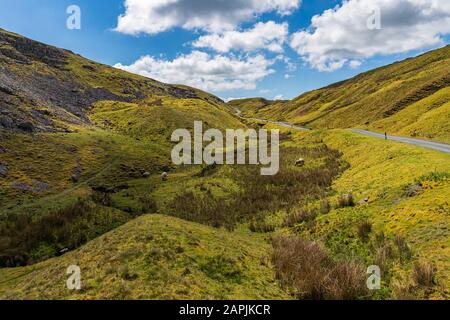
25, 239
325, 206
304, 215
434, 177
303, 267
222, 268
260, 194
364, 230
384, 256
261, 227
148, 204
404, 250
346, 200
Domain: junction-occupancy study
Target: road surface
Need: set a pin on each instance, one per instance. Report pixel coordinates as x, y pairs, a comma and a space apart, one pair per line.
443, 147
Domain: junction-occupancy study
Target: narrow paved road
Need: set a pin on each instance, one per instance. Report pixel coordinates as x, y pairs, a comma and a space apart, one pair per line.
443, 147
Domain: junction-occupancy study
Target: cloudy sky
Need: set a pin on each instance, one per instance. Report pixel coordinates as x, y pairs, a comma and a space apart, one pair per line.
239, 48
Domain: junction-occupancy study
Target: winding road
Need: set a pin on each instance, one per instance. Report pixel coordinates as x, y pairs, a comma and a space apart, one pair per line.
443, 147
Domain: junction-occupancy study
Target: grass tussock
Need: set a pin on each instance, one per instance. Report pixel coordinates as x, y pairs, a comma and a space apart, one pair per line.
421, 283
303, 215
260, 194
364, 230
304, 268
424, 274
346, 200
261, 227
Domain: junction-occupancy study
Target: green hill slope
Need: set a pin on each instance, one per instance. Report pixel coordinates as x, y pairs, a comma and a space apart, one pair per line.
154, 257
408, 98
83, 146
43, 88
74, 134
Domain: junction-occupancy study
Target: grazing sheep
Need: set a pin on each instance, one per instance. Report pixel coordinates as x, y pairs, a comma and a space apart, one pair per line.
164, 176
300, 162
146, 174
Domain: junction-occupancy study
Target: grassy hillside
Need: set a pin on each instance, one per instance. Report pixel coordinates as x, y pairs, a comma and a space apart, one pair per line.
406, 210
83, 146
407, 98
155, 257
46, 89
73, 135
254, 107
408, 190
398, 215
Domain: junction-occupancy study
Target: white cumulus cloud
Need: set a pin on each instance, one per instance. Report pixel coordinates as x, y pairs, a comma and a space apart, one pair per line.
341, 35
270, 36
208, 72
278, 97
155, 16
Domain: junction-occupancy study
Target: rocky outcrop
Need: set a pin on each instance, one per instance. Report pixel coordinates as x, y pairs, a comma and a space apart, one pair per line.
46, 87
36, 187
3, 169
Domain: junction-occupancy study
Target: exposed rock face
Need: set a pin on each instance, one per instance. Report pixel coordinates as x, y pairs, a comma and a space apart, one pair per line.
67, 100
26, 126
6, 122
36, 187
76, 174
25, 50
48, 87
39, 186
48, 84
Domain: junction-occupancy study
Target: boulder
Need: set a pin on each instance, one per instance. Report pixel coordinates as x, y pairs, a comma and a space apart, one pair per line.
413, 190
26, 126
20, 185
76, 174
3, 169
39, 187
165, 168
6, 89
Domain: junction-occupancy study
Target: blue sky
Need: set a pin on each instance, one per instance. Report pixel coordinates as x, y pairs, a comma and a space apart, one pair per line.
308, 56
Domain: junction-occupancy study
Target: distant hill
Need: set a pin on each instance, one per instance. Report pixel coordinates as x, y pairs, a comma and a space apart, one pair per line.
409, 98
252, 106
47, 89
